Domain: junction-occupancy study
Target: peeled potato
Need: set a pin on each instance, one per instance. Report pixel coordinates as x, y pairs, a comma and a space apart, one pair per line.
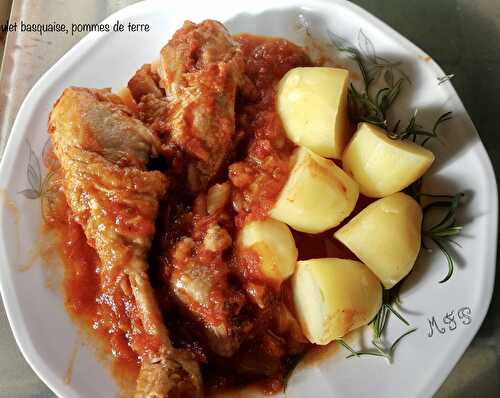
381, 165
386, 237
312, 104
317, 196
334, 296
274, 244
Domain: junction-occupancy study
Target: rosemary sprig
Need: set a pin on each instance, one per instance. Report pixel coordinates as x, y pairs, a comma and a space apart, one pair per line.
379, 350
389, 297
372, 108
290, 364
442, 232
364, 108
414, 129
379, 324
348, 347
368, 106
372, 105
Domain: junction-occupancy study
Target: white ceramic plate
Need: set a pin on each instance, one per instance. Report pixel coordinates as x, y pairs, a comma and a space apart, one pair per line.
40, 324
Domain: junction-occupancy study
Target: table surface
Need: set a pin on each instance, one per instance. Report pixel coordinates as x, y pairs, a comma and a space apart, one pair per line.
462, 36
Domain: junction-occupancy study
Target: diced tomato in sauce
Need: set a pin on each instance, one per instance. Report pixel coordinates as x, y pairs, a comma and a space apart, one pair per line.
259, 178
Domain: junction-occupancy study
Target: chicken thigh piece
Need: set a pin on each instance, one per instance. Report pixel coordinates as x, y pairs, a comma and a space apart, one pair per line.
199, 283
193, 252
103, 153
201, 68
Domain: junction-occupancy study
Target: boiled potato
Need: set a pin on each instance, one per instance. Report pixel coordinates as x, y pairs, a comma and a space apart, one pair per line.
273, 242
386, 236
317, 196
333, 296
381, 165
312, 104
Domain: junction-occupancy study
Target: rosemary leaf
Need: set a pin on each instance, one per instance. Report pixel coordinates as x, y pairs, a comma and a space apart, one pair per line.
449, 260
347, 346
441, 232
380, 349
363, 353
355, 353
397, 314
398, 340
450, 231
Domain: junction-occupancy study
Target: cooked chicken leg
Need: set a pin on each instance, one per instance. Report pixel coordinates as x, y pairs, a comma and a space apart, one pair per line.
103, 153
191, 108
199, 283
200, 69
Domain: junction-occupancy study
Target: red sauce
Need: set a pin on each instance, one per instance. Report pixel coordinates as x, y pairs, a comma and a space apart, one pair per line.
96, 312
106, 311
259, 178
107, 315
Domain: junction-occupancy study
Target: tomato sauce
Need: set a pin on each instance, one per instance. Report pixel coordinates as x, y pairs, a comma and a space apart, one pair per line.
257, 175
260, 176
106, 315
